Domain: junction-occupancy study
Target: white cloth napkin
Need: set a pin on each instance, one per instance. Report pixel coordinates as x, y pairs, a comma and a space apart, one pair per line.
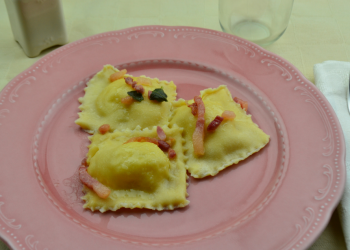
332, 78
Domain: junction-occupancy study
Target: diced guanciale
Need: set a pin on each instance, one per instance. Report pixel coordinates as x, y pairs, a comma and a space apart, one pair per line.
104, 128
101, 190
149, 94
163, 145
127, 100
215, 124
228, 115
194, 108
198, 134
134, 85
139, 88
244, 104
160, 143
161, 134
171, 153
84, 162
129, 80
117, 75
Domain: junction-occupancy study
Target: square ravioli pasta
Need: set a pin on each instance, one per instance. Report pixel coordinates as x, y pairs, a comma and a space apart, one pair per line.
233, 141
102, 104
139, 174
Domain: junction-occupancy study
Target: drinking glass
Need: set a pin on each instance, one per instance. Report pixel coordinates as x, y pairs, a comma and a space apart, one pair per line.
259, 21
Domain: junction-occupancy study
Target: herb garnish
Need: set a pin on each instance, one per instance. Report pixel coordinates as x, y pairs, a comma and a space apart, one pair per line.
158, 95
136, 95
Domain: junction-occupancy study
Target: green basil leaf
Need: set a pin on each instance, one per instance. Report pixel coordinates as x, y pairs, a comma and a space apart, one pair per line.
136, 95
158, 95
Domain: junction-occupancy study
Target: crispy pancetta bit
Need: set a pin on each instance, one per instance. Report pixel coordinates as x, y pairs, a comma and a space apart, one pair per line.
149, 94
215, 124
117, 75
130, 81
194, 108
163, 145
171, 153
161, 134
101, 190
134, 85
84, 162
142, 139
139, 88
104, 128
244, 104
127, 100
198, 134
228, 115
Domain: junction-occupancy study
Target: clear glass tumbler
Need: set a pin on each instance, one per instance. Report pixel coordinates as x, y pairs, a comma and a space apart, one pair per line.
259, 21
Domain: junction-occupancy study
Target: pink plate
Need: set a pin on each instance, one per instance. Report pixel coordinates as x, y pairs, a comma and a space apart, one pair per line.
279, 198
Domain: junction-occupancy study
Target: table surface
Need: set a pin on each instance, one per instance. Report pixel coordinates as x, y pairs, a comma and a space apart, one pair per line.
318, 31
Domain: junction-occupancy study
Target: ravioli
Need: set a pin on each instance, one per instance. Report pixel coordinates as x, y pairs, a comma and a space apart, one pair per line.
139, 174
231, 142
101, 104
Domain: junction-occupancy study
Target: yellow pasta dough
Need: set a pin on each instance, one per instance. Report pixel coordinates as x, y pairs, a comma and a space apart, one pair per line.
230, 143
139, 174
101, 104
